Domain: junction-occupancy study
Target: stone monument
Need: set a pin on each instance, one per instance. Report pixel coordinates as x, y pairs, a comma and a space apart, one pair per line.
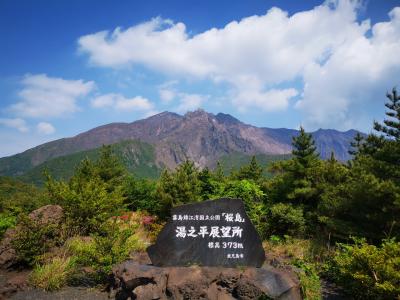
209, 233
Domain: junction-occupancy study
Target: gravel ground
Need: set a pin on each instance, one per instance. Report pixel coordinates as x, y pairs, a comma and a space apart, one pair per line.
68, 293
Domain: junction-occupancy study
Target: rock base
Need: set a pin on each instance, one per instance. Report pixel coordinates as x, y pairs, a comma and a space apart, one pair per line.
132, 280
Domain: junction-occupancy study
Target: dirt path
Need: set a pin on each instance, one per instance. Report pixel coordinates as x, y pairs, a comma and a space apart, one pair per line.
68, 293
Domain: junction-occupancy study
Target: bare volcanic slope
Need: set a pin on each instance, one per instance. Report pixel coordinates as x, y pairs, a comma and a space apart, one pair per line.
200, 136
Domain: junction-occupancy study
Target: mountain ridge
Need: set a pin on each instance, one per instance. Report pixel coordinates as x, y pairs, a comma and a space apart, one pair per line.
198, 135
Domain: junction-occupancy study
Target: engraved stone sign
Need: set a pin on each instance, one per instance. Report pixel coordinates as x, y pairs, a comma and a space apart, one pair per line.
209, 233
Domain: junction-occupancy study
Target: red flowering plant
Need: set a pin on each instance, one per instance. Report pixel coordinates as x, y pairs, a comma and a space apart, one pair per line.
148, 220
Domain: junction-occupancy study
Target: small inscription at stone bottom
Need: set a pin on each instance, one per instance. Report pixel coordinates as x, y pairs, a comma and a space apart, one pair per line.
209, 233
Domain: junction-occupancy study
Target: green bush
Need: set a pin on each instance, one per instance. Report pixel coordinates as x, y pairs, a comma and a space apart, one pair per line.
52, 276
178, 187
6, 221
140, 194
253, 198
367, 271
87, 203
33, 239
310, 282
111, 245
92, 195
284, 218
83, 250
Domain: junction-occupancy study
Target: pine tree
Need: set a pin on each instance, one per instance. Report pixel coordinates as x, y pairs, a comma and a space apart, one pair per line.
304, 149
252, 171
356, 144
255, 170
383, 152
109, 167
218, 173
179, 187
391, 127
207, 185
300, 170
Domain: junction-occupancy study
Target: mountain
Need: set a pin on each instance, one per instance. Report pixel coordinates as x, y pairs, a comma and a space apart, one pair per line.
138, 157
171, 138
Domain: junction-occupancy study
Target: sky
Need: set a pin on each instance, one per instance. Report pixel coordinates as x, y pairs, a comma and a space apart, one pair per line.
69, 66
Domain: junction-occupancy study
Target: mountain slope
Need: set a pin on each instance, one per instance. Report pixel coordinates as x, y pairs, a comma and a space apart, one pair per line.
138, 158
199, 136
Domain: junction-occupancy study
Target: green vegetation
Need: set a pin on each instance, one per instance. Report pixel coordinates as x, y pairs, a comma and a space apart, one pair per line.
111, 245
302, 254
17, 196
6, 221
322, 218
52, 276
92, 195
137, 157
368, 271
33, 239
232, 162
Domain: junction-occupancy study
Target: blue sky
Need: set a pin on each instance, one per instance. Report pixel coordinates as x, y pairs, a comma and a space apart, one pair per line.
68, 66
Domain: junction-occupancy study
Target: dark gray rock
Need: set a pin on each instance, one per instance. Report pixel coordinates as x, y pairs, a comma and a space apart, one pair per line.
209, 233
131, 280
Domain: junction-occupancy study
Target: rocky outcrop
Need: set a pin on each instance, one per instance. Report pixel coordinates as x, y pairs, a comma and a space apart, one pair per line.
49, 214
131, 280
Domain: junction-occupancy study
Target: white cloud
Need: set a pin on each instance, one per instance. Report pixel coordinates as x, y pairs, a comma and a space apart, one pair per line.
104, 100
167, 95
189, 102
45, 128
120, 103
43, 96
354, 78
15, 123
271, 100
167, 91
341, 61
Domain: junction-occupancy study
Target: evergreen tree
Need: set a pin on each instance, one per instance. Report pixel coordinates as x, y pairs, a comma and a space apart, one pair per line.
356, 144
391, 126
304, 149
366, 201
381, 154
218, 173
252, 171
207, 184
179, 187
92, 195
109, 167
140, 194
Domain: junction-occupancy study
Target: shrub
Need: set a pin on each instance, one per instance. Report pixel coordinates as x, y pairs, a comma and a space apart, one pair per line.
310, 282
140, 195
111, 245
284, 218
87, 203
252, 197
367, 271
6, 221
52, 276
83, 250
33, 239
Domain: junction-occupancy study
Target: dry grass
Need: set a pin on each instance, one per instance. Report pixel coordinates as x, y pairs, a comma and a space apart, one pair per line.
52, 276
